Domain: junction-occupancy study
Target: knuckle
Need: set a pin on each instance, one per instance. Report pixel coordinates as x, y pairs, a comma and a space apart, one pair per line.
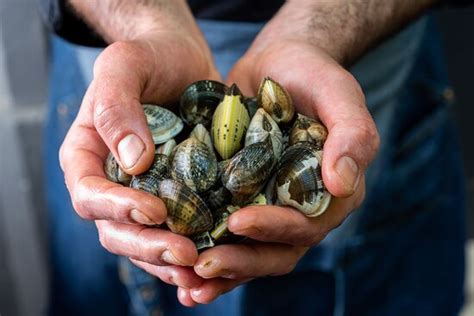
103, 239
106, 116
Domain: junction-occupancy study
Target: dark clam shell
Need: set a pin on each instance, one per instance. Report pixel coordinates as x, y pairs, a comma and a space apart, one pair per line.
194, 164
187, 212
299, 181
148, 181
247, 172
114, 173
199, 101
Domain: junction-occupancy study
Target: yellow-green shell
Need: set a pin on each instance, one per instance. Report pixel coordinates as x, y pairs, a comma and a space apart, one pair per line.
229, 125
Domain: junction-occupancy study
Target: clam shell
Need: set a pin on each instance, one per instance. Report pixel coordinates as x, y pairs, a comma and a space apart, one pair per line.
299, 181
149, 180
162, 123
247, 172
194, 164
275, 100
306, 129
187, 212
114, 173
229, 124
199, 101
262, 126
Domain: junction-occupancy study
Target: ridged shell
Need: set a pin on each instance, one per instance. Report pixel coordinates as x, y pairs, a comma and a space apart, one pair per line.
306, 129
114, 173
199, 101
247, 172
162, 123
275, 100
194, 163
299, 180
229, 124
187, 213
149, 180
261, 127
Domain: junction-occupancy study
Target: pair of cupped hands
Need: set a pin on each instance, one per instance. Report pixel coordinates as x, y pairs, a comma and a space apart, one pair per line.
155, 67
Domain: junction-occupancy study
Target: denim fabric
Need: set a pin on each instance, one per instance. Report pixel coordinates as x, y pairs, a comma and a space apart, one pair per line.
402, 252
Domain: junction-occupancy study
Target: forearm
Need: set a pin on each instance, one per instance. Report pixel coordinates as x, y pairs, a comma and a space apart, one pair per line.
344, 29
119, 20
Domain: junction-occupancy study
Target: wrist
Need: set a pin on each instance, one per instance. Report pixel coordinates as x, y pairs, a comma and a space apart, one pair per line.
124, 20
343, 29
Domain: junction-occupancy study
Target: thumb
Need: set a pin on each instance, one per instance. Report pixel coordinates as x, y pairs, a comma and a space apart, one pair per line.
353, 139
116, 111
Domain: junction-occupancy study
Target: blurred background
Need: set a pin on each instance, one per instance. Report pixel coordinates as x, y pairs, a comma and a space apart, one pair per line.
23, 95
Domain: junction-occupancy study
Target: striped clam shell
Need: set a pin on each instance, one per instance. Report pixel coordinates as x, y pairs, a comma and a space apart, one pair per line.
299, 181
229, 124
187, 212
275, 100
162, 123
194, 164
199, 101
306, 129
247, 172
262, 126
114, 173
149, 180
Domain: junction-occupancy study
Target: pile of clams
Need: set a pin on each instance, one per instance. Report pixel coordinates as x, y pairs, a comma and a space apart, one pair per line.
236, 151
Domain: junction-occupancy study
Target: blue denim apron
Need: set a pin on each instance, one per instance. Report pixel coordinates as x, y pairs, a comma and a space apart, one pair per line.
402, 252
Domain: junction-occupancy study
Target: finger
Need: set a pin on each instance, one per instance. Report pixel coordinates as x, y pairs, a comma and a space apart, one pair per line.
212, 289
184, 297
151, 245
287, 225
248, 260
182, 277
82, 158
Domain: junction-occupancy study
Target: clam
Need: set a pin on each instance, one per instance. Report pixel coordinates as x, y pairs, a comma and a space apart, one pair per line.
162, 123
199, 101
193, 161
187, 212
247, 172
299, 182
218, 196
159, 170
230, 123
262, 126
306, 129
114, 173
275, 100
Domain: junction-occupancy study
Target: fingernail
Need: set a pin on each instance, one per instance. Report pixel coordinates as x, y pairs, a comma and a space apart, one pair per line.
348, 171
167, 256
206, 266
196, 292
130, 150
141, 218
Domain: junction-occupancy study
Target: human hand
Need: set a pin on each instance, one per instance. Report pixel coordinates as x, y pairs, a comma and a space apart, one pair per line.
152, 61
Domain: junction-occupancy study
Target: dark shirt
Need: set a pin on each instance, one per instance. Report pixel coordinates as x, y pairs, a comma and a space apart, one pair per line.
62, 20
